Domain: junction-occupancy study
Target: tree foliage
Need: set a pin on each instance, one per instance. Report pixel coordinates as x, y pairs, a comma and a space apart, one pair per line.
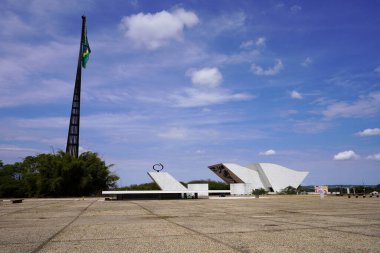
56, 175
10, 183
140, 187
259, 191
289, 190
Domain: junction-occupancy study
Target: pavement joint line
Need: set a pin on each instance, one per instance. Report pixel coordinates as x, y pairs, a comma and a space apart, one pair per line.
158, 236
62, 229
45, 218
24, 209
320, 221
192, 230
334, 215
331, 228
350, 232
118, 238
180, 235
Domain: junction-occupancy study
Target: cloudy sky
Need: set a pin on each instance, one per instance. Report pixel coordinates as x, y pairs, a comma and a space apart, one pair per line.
194, 83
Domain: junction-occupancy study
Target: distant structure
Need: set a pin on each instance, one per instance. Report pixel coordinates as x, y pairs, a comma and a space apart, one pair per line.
158, 167
72, 146
269, 176
242, 180
166, 182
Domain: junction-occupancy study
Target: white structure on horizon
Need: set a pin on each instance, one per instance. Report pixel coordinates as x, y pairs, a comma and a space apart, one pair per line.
269, 176
166, 182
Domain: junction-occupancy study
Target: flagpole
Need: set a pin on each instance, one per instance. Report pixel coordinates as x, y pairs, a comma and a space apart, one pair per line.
72, 146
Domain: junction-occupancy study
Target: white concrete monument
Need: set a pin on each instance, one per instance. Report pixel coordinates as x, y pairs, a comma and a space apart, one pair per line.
166, 182
269, 176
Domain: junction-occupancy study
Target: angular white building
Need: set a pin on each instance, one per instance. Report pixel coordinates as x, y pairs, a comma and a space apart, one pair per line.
166, 182
269, 176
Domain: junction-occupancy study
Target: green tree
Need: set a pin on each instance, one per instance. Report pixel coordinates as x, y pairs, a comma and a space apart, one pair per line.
259, 191
96, 175
11, 180
289, 190
141, 187
57, 175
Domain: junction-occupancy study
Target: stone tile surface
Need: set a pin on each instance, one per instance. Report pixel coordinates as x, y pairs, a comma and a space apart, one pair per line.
271, 224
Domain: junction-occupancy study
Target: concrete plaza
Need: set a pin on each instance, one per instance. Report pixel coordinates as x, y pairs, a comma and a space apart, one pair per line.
271, 224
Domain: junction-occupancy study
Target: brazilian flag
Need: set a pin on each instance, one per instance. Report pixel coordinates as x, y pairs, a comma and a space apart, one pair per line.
85, 50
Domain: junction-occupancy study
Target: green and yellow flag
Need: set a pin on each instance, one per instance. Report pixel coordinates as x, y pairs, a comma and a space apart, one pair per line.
85, 50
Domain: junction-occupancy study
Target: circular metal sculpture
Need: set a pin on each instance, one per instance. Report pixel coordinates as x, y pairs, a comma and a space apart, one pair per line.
158, 167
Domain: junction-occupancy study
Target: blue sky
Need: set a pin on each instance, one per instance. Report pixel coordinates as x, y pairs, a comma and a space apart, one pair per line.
194, 83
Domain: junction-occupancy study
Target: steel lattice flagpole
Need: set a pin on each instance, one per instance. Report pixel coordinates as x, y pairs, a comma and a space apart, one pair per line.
72, 146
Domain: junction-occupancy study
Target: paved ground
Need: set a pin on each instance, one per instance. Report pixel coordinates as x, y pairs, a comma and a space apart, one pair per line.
274, 224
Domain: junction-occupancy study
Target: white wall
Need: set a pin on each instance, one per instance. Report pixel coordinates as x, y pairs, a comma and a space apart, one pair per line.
199, 187
245, 175
166, 181
237, 189
280, 177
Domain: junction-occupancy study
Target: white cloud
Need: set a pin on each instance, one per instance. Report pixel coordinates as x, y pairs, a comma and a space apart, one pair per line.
241, 57
375, 157
49, 91
175, 133
47, 122
260, 42
231, 22
24, 65
207, 90
310, 126
82, 150
247, 44
182, 133
207, 77
268, 152
307, 62
377, 70
41, 16
346, 155
47, 7
369, 132
156, 30
364, 106
14, 148
196, 97
279, 5
296, 95
295, 8
12, 153
134, 3
260, 71
11, 24
287, 113
111, 120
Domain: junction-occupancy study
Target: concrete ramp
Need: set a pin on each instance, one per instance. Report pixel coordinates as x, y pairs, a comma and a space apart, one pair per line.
166, 182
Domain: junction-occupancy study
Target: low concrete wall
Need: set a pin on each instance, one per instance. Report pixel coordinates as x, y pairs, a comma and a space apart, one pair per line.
241, 189
199, 187
237, 189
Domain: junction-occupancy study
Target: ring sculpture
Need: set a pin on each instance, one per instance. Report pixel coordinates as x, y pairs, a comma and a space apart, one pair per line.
161, 167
